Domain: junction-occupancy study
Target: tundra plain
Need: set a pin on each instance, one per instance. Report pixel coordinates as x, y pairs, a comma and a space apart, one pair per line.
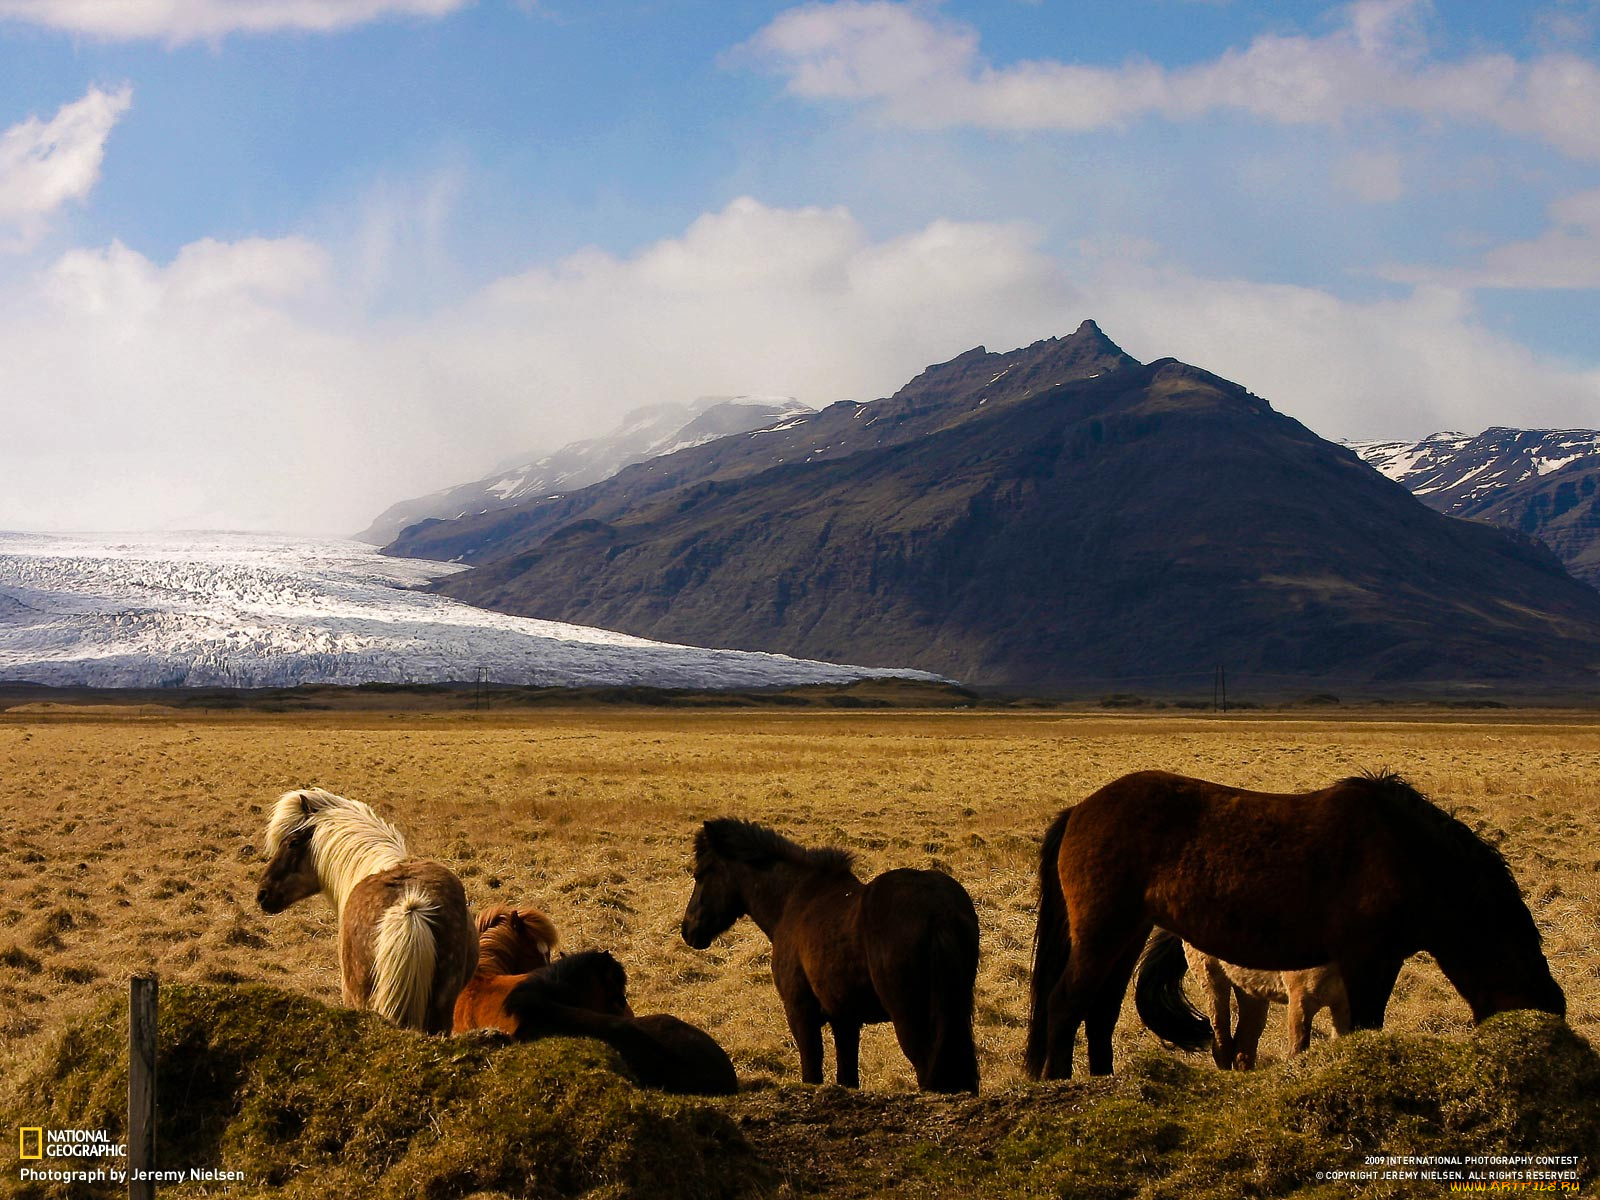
131, 839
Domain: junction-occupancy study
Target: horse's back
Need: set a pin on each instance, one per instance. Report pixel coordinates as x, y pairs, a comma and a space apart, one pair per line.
907, 903
703, 1067
435, 899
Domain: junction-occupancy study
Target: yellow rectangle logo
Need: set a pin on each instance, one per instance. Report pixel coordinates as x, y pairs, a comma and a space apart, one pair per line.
38, 1142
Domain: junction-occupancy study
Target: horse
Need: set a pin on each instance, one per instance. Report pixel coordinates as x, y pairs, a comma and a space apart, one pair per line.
511, 943
902, 948
586, 995
1158, 997
1361, 874
406, 943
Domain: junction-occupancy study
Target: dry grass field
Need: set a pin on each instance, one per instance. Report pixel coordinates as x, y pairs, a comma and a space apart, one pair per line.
129, 840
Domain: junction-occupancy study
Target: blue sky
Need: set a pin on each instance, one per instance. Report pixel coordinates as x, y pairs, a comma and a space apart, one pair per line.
277, 263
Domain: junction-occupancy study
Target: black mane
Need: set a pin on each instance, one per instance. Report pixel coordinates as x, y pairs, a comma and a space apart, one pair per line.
745, 841
565, 972
1459, 837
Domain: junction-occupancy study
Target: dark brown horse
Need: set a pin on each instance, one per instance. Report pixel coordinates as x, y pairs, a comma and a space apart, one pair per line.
1361, 875
586, 995
903, 948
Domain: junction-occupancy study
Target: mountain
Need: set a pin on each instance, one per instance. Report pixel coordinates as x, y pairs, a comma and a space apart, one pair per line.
644, 433
253, 610
971, 387
1060, 517
1542, 482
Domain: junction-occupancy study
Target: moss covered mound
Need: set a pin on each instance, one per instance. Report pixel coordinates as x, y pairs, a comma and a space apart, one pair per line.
311, 1101
1169, 1127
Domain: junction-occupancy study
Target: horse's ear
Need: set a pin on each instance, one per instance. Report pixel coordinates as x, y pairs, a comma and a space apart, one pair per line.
305, 804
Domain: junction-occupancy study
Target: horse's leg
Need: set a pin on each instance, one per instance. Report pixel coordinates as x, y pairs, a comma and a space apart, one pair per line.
1106, 1004
847, 1053
1219, 1005
1064, 1015
1368, 983
1303, 1006
1252, 1021
805, 1025
1339, 1009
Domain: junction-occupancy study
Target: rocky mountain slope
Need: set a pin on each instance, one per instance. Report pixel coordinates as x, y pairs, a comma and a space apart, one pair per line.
1054, 518
643, 434
1542, 482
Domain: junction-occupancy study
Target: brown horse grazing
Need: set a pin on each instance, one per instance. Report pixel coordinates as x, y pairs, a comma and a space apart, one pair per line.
1361, 875
1162, 1006
586, 995
511, 943
406, 943
903, 948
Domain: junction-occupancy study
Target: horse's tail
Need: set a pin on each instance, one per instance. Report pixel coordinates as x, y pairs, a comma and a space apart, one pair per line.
403, 959
1159, 998
1052, 945
953, 1055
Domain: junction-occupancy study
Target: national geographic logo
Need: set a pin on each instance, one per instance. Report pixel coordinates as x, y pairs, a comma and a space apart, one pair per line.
35, 1142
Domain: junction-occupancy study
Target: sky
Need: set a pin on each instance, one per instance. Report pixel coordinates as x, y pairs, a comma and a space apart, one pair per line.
276, 264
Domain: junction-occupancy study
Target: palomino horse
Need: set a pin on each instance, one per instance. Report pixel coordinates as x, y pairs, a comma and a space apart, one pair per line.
903, 948
586, 995
1362, 875
511, 942
406, 943
1166, 1011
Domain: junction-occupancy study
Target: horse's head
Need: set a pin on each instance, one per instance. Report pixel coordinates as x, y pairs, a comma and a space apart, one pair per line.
515, 940
591, 979
718, 899
291, 874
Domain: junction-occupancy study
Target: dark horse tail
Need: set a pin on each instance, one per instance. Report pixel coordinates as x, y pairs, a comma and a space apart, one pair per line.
1158, 994
1052, 945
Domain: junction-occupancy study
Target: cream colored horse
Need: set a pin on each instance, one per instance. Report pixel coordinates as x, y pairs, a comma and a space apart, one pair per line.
1305, 992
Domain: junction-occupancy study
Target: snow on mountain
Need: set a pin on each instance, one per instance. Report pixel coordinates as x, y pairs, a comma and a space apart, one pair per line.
255, 610
1455, 472
644, 433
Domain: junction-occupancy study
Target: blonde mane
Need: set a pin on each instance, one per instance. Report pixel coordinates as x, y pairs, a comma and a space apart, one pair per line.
348, 840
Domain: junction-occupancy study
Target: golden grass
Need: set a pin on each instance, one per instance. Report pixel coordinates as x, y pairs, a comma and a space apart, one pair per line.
130, 844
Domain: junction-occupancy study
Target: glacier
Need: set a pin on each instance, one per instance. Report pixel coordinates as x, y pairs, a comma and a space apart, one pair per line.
264, 610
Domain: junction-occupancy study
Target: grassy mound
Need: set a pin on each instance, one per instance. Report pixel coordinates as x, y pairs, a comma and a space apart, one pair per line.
311, 1101
1167, 1127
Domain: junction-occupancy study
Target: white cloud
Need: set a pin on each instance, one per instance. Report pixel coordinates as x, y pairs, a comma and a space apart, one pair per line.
1371, 176
45, 164
217, 390
1565, 255
921, 70
1400, 367
191, 20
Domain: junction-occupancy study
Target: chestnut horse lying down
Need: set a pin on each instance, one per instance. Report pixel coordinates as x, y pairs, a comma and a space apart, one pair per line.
511, 942
1158, 995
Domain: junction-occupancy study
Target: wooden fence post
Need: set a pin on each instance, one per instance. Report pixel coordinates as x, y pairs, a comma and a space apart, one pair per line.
141, 1085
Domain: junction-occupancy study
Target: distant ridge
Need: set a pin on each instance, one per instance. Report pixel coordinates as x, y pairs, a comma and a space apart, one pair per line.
1541, 482
1054, 518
